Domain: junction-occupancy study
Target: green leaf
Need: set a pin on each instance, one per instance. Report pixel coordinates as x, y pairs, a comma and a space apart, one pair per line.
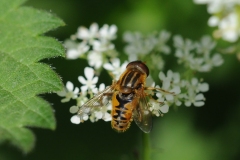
22, 76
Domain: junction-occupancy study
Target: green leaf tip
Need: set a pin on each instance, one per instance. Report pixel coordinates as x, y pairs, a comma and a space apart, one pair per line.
22, 77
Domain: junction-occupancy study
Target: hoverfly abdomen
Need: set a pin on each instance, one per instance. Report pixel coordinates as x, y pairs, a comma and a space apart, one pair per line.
122, 111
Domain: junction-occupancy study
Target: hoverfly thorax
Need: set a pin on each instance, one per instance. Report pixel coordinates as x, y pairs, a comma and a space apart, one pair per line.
134, 77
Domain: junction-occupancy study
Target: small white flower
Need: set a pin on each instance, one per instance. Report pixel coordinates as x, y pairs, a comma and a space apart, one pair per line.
90, 82
217, 60
139, 45
206, 45
85, 34
102, 46
229, 27
225, 16
68, 92
115, 68
185, 45
95, 59
99, 89
158, 108
74, 53
213, 21
82, 98
108, 33
196, 100
162, 40
77, 119
101, 113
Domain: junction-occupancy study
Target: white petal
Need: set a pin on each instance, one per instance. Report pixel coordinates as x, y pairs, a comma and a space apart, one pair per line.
89, 73
166, 84
84, 88
178, 41
159, 95
187, 103
95, 90
108, 66
116, 62
124, 65
101, 87
95, 80
69, 86
161, 76
176, 77
199, 97
176, 90
164, 108
72, 54
65, 100
213, 21
178, 103
73, 109
201, 1
85, 117
107, 117
198, 104
76, 90
94, 27
217, 60
194, 81
75, 119
203, 87
169, 74
98, 115
62, 93
113, 29
82, 80
169, 97
82, 33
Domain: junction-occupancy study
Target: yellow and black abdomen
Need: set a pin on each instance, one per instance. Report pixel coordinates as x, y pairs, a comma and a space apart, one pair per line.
121, 113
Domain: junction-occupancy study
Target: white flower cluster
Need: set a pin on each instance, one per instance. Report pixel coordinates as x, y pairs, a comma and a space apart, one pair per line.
197, 55
95, 44
140, 47
88, 89
225, 16
185, 91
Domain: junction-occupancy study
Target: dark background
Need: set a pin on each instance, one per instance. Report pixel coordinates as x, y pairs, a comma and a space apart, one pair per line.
189, 133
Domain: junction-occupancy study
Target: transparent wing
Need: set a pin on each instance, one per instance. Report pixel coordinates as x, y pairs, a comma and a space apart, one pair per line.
141, 114
97, 101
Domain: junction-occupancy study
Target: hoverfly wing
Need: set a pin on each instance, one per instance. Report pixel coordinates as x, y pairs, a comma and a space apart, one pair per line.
97, 100
142, 116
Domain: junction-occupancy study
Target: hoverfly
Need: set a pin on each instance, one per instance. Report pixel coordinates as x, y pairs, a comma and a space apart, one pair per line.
129, 100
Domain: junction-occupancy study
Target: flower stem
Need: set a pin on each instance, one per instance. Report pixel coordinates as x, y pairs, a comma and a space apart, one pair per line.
146, 149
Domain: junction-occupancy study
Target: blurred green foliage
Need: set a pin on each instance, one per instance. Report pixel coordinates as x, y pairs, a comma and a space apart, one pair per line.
207, 133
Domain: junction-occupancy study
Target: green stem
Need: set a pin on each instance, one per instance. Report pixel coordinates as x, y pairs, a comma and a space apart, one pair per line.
146, 149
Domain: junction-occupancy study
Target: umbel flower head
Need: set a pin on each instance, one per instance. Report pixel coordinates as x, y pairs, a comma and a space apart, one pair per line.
173, 88
95, 44
225, 16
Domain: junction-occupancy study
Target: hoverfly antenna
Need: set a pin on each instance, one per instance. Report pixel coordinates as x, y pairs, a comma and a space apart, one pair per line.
139, 65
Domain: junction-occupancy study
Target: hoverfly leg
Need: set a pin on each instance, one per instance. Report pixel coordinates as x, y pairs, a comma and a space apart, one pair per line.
161, 103
162, 90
